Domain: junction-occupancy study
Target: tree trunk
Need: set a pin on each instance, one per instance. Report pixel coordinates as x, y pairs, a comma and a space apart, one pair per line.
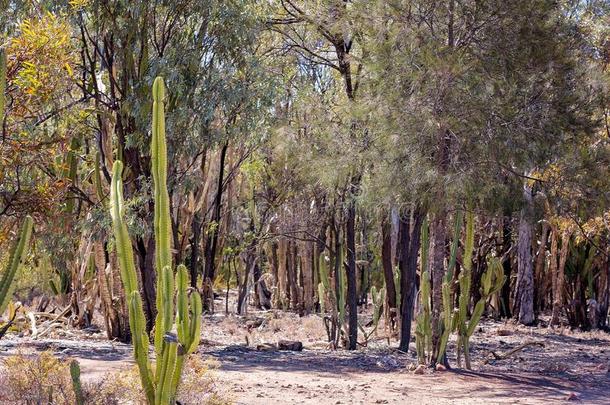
282, 274
388, 271
293, 277
212, 240
307, 274
553, 273
146, 255
539, 269
558, 299
437, 266
409, 244
195, 239
525, 270
352, 292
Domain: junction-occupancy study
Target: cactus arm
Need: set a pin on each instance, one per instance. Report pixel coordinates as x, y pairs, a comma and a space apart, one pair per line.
159, 170
137, 325
121, 236
195, 325
17, 252
457, 227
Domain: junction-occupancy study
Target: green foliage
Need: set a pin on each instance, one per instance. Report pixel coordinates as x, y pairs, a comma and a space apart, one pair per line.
17, 252
161, 385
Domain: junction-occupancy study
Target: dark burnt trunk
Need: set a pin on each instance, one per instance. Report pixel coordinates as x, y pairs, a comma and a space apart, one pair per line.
408, 244
212, 239
507, 235
352, 293
388, 271
146, 256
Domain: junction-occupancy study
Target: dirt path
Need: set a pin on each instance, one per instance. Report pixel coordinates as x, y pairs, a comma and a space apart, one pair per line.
568, 363
315, 377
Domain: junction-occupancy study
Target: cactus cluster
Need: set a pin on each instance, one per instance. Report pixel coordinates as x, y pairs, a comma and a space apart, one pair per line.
449, 317
17, 252
160, 384
457, 320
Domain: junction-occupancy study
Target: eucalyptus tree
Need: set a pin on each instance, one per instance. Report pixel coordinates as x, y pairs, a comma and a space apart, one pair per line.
327, 34
205, 50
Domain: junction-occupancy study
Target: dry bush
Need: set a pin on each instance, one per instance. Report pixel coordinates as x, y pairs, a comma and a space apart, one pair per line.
37, 379
45, 379
198, 386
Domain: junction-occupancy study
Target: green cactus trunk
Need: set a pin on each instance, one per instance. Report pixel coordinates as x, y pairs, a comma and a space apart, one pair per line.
17, 252
161, 385
492, 281
76, 384
449, 319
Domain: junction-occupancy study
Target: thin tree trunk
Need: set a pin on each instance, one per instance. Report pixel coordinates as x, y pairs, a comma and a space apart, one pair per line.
195, 239
388, 271
553, 273
282, 274
352, 293
409, 245
525, 270
539, 269
212, 242
437, 267
558, 296
307, 274
146, 255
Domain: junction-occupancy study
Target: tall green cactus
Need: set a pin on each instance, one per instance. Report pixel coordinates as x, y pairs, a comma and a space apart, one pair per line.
491, 282
449, 319
161, 385
17, 252
76, 384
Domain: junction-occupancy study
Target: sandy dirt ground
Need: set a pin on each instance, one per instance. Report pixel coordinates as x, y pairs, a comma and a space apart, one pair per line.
563, 367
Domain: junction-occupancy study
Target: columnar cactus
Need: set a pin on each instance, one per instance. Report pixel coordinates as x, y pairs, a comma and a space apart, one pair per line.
491, 282
17, 252
76, 384
449, 318
161, 384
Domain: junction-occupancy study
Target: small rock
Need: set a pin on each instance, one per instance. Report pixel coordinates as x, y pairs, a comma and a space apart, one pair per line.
572, 396
420, 369
440, 367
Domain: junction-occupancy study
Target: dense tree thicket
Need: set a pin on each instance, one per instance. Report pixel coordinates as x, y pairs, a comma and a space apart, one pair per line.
322, 156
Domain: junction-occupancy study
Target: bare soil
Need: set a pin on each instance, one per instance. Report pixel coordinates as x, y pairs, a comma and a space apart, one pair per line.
567, 366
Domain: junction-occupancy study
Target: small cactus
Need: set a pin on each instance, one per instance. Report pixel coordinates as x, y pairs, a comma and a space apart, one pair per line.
76, 385
17, 252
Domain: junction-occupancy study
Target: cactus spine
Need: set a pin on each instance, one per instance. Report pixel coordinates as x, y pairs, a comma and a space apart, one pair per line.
17, 252
161, 385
